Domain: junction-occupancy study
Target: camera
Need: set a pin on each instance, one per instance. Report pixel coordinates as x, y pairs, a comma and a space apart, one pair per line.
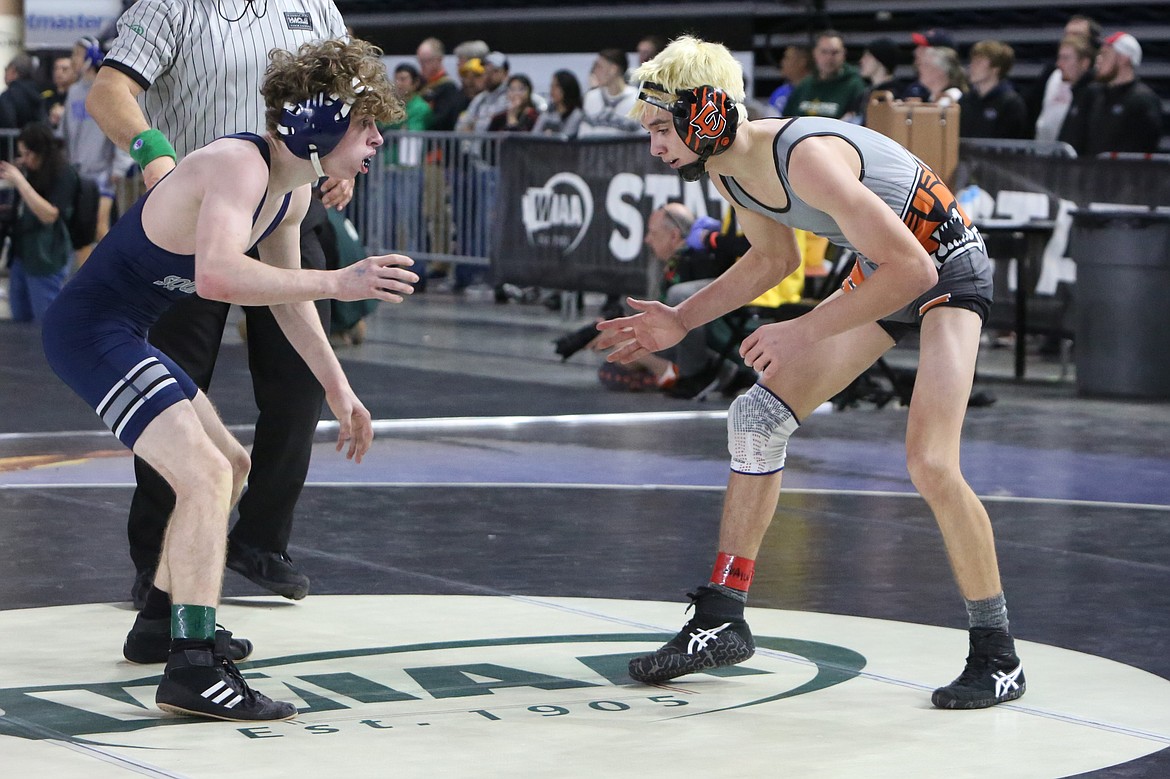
571, 343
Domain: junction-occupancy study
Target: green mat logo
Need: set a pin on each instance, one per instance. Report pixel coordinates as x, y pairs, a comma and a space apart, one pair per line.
349, 682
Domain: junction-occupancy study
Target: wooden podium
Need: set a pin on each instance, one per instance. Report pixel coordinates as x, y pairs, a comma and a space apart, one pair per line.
928, 130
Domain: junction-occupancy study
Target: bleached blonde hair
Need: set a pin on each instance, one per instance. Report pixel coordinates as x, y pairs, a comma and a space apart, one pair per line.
686, 63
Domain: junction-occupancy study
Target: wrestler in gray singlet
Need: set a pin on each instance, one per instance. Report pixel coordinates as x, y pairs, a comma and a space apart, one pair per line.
920, 199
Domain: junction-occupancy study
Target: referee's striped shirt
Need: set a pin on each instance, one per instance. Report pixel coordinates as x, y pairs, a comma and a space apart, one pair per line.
201, 62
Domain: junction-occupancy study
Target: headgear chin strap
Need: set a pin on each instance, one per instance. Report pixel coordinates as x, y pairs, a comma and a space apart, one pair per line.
706, 119
312, 128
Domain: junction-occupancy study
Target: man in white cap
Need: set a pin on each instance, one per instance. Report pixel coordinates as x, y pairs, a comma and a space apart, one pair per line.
1125, 115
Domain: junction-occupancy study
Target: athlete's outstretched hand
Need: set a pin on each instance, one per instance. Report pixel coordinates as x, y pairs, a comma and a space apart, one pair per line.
654, 328
354, 424
382, 276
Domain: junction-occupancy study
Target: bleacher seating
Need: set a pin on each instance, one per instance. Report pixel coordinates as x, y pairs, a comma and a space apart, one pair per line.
1031, 27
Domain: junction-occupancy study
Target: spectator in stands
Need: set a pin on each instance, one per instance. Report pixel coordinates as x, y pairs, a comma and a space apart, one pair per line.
1124, 114
446, 100
877, 64
940, 74
1065, 94
46, 185
563, 116
1086, 27
647, 49
409, 83
402, 197
1049, 79
91, 152
492, 100
471, 77
471, 176
606, 107
992, 108
21, 102
923, 41
441, 93
520, 116
691, 369
834, 89
470, 50
54, 96
795, 67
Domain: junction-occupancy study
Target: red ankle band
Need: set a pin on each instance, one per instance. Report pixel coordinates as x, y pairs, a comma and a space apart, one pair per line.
734, 572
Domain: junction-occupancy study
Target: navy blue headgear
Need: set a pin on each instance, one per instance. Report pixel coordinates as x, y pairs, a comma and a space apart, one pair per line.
93, 51
312, 128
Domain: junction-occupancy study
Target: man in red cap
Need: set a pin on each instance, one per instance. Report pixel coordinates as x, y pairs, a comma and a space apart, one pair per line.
924, 40
933, 37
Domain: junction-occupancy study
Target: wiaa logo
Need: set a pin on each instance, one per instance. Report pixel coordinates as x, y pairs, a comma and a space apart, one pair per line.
558, 214
480, 680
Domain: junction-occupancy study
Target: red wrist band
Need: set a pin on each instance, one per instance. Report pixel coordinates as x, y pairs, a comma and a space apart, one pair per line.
734, 572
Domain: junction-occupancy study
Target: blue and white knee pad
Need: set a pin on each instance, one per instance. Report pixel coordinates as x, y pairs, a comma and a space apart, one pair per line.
758, 427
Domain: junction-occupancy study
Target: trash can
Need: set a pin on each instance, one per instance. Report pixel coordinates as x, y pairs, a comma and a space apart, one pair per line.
1122, 316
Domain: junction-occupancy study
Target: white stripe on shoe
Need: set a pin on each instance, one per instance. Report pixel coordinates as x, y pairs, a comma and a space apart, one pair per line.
213, 689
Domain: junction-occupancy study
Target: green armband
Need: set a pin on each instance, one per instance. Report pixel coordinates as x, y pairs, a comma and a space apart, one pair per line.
149, 145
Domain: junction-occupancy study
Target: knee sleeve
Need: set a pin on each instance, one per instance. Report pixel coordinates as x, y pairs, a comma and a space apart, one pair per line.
758, 427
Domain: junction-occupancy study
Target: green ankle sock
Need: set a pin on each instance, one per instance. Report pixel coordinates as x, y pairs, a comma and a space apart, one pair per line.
192, 622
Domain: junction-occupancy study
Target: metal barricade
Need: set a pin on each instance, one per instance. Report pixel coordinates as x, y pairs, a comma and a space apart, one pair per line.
1018, 146
8, 143
431, 196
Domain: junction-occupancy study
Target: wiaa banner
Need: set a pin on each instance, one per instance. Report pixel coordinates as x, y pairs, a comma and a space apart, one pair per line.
572, 214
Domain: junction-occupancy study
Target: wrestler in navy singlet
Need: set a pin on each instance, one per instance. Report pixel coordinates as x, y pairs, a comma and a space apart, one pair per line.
94, 333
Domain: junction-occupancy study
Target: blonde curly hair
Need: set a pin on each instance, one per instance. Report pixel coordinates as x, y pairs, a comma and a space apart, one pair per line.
330, 67
686, 63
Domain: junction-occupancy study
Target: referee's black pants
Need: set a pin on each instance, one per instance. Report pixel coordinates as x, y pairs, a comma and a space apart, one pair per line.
288, 397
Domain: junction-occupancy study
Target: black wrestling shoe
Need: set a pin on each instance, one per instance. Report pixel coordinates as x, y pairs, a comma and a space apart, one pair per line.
273, 571
993, 674
149, 641
703, 643
143, 580
204, 683
713, 378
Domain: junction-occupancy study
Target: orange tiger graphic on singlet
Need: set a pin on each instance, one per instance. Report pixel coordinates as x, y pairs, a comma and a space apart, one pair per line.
937, 221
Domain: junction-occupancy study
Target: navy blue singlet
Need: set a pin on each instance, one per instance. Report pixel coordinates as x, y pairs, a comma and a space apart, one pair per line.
94, 333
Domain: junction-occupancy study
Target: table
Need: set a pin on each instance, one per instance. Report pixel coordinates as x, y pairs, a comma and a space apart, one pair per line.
1024, 241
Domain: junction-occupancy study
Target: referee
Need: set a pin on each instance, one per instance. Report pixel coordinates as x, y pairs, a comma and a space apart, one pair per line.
198, 65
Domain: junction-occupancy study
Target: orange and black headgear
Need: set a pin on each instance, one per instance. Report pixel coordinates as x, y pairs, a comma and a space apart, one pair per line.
705, 117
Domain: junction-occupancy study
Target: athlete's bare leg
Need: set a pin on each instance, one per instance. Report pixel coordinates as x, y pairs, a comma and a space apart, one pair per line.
206, 467
946, 369
750, 502
718, 634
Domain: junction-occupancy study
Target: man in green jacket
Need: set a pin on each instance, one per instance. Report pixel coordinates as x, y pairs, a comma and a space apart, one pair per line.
833, 89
